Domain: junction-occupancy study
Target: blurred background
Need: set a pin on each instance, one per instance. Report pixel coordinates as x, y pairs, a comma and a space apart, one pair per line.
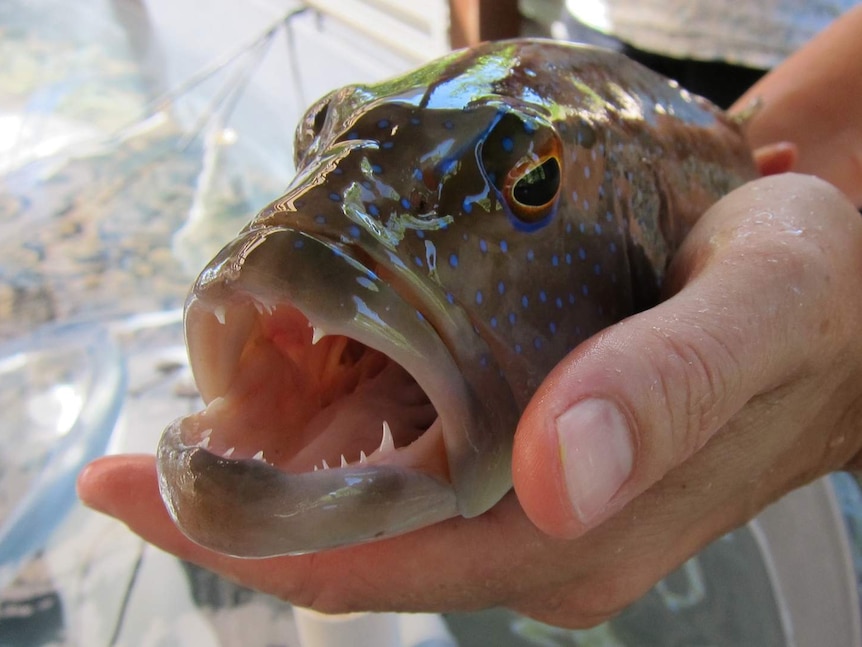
136, 137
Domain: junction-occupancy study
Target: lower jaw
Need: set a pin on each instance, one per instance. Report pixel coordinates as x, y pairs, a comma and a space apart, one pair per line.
248, 508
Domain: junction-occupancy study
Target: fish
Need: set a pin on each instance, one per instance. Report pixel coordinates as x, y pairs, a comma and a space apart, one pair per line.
366, 344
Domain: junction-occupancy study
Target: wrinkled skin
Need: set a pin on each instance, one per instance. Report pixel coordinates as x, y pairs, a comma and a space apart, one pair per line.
737, 396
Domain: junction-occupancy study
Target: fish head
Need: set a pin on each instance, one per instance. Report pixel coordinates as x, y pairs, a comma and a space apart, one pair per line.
366, 344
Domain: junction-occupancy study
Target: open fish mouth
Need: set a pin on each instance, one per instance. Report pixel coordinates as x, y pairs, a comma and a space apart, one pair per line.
329, 400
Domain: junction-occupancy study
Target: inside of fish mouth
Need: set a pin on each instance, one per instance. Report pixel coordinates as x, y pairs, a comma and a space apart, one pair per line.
302, 400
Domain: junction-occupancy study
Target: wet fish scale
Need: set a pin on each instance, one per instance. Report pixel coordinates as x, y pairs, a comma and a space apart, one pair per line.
474, 221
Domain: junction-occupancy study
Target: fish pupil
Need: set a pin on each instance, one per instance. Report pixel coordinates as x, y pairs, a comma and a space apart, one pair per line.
539, 185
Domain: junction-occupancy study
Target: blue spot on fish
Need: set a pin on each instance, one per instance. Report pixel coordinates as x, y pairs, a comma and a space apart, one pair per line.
387, 145
504, 246
405, 203
376, 169
447, 165
334, 197
501, 287
320, 219
373, 210
466, 205
298, 244
508, 144
479, 297
483, 246
383, 123
353, 230
530, 255
453, 260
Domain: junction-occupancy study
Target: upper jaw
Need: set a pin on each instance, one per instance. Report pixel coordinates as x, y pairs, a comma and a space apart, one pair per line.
249, 507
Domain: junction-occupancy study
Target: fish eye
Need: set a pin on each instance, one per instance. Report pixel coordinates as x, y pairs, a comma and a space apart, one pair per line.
521, 159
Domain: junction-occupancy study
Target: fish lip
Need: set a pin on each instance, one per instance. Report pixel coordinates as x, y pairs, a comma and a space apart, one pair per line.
272, 513
203, 490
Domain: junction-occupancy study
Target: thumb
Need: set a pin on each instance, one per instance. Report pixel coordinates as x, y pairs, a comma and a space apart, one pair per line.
633, 402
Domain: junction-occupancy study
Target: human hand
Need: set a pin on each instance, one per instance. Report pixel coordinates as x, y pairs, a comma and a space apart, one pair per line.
744, 384
814, 99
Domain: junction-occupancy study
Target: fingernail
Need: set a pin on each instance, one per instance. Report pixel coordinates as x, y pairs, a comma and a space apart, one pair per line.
597, 455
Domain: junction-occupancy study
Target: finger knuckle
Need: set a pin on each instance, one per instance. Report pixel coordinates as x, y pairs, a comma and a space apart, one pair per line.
696, 374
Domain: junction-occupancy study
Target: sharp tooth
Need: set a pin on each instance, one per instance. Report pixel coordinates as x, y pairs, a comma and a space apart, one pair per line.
362, 458
387, 444
258, 306
316, 468
317, 334
205, 443
325, 464
343, 461
258, 456
220, 314
207, 433
229, 452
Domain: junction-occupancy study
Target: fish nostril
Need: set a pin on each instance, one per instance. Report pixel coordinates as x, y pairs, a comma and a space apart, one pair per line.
320, 118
